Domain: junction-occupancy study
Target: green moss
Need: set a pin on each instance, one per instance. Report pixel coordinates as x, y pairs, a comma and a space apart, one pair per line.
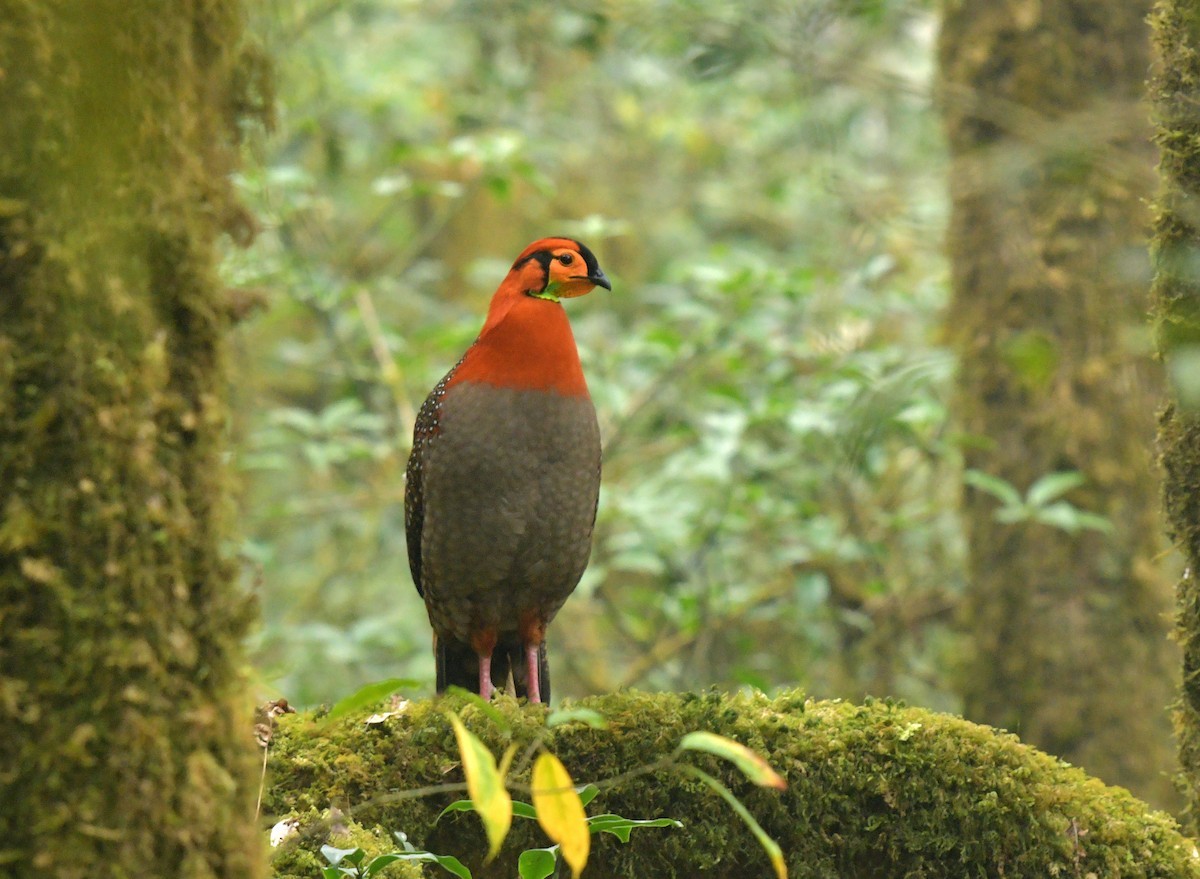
873, 790
298, 860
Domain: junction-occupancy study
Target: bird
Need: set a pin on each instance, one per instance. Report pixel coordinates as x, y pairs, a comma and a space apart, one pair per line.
503, 480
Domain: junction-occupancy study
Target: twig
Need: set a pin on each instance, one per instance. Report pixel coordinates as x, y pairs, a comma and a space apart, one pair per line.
403, 412
262, 782
264, 731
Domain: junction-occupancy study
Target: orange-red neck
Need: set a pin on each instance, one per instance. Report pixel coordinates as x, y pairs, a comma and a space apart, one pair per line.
525, 343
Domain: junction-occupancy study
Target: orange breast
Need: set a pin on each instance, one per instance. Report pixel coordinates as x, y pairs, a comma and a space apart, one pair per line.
526, 343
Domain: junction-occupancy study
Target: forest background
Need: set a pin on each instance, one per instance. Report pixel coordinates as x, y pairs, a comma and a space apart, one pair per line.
769, 371
878, 388
794, 457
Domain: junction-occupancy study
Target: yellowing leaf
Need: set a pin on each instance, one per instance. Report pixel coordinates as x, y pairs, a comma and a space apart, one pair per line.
752, 765
485, 784
770, 846
507, 758
560, 811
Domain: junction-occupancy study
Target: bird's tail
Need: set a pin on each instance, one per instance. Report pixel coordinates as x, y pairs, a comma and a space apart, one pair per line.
458, 666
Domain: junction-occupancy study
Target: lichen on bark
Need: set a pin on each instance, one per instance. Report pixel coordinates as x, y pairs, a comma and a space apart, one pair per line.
126, 748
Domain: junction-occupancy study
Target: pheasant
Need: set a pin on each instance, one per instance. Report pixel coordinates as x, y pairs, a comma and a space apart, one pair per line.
503, 480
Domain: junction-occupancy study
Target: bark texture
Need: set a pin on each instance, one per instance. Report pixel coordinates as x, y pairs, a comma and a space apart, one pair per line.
126, 747
1052, 165
1176, 87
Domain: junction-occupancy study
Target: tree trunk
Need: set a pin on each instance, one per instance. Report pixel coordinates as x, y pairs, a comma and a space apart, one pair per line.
1177, 312
126, 748
1050, 170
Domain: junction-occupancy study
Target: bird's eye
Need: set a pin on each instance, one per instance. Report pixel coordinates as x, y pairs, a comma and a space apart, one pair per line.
566, 259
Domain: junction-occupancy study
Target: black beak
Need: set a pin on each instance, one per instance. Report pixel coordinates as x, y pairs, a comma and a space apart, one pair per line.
597, 277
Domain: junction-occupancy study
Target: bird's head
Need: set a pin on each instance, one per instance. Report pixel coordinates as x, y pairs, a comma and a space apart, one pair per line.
558, 268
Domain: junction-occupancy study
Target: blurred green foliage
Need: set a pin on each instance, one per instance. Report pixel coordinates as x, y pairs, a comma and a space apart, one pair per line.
763, 181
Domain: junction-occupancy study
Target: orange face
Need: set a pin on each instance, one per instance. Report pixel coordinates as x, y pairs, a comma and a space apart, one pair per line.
569, 274
568, 268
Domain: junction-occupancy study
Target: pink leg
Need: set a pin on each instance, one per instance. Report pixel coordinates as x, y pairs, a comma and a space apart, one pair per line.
535, 683
484, 642
485, 676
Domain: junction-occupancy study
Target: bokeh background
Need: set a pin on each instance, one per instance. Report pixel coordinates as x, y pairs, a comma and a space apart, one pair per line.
765, 184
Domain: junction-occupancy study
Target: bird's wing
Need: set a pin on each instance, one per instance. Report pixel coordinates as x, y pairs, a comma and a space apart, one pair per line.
424, 432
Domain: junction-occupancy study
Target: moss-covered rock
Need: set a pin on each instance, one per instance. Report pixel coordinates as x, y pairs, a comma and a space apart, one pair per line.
873, 790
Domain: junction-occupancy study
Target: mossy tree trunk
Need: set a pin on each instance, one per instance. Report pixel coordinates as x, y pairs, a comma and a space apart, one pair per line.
1051, 167
1177, 311
126, 748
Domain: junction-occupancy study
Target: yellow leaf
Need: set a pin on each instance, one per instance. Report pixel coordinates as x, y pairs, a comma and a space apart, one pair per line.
560, 811
485, 784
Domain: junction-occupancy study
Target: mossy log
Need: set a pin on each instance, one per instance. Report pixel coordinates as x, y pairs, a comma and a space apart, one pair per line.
877, 789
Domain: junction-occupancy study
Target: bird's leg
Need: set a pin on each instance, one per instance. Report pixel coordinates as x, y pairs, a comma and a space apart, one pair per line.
485, 675
484, 642
533, 631
535, 683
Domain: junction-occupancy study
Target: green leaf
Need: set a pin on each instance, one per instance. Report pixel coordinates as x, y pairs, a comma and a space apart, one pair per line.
485, 785
1070, 518
449, 863
587, 793
594, 719
379, 862
368, 695
1095, 522
621, 827
537, 863
1005, 492
493, 714
1012, 515
752, 765
300, 420
456, 806
520, 810
1053, 485
336, 855
774, 853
